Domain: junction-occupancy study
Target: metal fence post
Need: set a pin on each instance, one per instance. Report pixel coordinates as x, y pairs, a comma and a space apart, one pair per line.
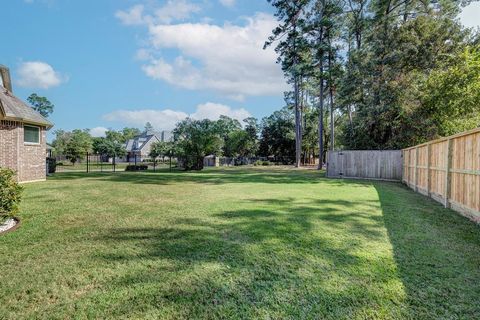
88, 163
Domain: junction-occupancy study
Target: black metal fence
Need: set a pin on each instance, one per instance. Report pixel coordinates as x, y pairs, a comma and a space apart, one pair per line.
91, 162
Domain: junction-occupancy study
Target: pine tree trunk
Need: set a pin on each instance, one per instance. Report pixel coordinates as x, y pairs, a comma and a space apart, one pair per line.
298, 131
332, 106
320, 122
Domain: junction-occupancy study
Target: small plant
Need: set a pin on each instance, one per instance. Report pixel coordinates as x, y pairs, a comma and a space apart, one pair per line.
10, 193
263, 163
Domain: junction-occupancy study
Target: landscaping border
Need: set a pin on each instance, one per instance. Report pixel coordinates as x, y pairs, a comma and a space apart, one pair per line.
15, 227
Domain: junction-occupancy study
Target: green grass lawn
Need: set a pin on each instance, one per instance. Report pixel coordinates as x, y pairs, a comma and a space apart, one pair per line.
264, 243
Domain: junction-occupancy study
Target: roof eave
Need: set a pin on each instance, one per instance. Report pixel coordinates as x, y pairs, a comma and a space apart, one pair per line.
47, 125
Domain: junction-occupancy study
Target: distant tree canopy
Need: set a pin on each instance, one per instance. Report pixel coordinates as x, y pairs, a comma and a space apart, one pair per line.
41, 104
74, 145
378, 74
196, 139
78, 144
161, 149
109, 148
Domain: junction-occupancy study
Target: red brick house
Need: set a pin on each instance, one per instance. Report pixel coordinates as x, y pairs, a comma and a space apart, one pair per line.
22, 134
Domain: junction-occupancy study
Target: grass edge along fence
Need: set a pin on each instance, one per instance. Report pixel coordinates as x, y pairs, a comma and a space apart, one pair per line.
448, 171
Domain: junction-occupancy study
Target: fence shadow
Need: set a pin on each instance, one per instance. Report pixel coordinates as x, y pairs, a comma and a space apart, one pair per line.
284, 175
437, 253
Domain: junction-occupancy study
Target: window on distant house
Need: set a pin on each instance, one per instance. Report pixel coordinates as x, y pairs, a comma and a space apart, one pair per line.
31, 134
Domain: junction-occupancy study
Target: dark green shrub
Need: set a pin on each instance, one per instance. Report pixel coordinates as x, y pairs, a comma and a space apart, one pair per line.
263, 163
10, 193
141, 167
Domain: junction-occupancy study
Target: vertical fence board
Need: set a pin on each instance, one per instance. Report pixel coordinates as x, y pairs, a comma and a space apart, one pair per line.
447, 170
384, 165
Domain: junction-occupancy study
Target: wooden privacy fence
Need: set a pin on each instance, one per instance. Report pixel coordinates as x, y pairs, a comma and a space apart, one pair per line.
381, 165
447, 170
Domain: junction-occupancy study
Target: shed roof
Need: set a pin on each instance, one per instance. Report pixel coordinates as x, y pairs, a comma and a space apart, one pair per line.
12, 108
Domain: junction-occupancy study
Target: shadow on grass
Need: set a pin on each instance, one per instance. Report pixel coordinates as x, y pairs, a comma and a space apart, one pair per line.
208, 176
437, 253
270, 262
273, 175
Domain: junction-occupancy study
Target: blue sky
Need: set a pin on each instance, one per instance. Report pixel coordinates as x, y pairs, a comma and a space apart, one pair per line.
115, 63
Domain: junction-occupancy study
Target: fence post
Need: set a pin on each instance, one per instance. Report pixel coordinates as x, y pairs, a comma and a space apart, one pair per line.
114, 163
88, 163
429, 155
416, 169
448, 175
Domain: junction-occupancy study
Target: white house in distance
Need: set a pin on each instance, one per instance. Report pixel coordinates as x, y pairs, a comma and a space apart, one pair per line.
22, 134
139, 147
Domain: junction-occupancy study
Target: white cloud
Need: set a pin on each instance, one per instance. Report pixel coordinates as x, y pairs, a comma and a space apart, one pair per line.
213, 111
173, 10
131, 17
228, 59
37, 74
98, 131
228, 3
470, 15
143, 55
167, 119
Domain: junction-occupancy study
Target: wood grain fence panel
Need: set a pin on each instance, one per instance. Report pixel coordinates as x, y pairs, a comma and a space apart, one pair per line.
448, 170
383, 165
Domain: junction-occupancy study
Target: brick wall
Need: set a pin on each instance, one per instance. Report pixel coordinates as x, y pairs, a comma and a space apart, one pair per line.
8, 144
27, 159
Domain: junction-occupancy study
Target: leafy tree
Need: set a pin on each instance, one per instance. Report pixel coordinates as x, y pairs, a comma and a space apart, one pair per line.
160, 149
79, 144
109, 148
402, 44
240, 144
196, 139
41, 104
129, 133
224, 127
59, 144
116, 136
450, 96
278, 134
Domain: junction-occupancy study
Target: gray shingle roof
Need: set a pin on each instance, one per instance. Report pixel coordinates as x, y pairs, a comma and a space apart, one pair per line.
13, 108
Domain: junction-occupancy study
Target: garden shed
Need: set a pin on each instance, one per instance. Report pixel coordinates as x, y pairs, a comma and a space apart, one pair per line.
22, 134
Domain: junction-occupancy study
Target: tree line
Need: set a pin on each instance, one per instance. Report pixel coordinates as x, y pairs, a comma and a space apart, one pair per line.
376, 74
192, 140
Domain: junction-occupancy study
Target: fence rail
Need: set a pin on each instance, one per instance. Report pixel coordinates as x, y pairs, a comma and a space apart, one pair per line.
448, 171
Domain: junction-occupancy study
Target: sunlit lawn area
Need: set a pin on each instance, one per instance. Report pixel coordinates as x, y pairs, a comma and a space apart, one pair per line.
268, 243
